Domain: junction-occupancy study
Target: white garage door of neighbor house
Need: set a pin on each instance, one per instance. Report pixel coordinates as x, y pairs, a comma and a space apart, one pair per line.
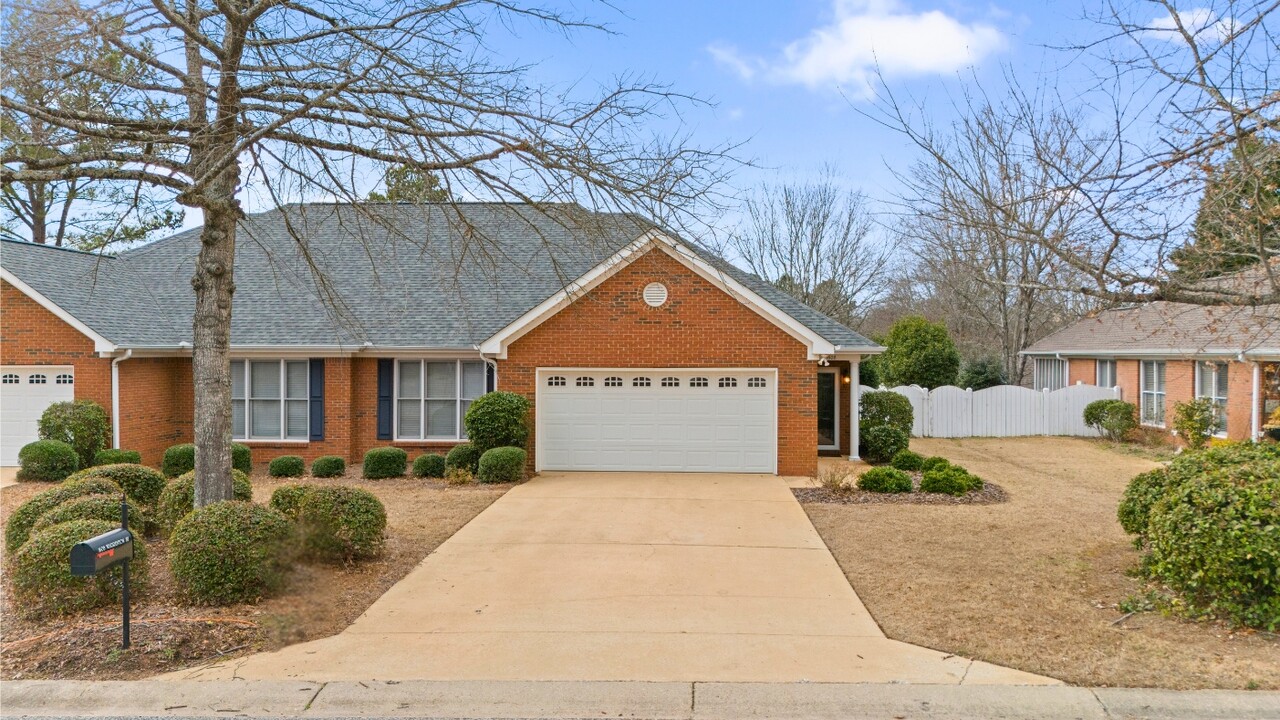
700, 420
25, 392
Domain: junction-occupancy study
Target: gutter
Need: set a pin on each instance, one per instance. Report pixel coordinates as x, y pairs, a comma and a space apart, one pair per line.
115, 397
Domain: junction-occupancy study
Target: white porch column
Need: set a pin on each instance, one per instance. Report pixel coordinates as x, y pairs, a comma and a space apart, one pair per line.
855, 406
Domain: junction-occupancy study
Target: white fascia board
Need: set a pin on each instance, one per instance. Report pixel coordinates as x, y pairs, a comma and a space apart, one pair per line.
1230, 353
100, 343
305, 351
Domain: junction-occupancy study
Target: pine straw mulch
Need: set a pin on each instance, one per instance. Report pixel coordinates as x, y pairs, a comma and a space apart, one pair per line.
170, 634
990, 494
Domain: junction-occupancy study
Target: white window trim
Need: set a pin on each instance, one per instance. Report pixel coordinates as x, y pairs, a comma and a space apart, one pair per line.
1142, 391
1200, 364
459, 431
284, 400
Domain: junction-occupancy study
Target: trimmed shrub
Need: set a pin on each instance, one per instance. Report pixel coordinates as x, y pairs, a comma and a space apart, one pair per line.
91, 507
117, 457
82, 424
951, 480
982, 373
287, 466
229, 552
885, 480
908, 461
498, 419
178, 459
42, 579
458, 476
1139, 496
885, 407
883, 443
502, 465
18, 528
430, 465
241, 458
934, 463
918, 352
142, 484
288, 498
328, 466
1195, 421
46, 461
385, 462
179, 497
463, 455
342, 523
1113, 419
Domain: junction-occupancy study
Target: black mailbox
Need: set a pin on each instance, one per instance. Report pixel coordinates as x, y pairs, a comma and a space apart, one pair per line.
99, 553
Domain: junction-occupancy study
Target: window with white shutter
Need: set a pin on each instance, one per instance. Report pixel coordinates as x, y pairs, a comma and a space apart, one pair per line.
1211, 383
1152, 382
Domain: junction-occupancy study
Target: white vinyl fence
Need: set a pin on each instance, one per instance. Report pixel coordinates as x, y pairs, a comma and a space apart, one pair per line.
1001, 411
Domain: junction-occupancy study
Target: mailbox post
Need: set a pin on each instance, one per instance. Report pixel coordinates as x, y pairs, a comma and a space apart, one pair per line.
105, 551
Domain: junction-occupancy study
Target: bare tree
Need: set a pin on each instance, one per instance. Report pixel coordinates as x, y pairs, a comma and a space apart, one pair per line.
815, 241
1178, 92
282, 100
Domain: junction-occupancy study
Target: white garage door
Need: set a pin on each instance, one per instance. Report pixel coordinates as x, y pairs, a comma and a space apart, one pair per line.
657, 420
25, 392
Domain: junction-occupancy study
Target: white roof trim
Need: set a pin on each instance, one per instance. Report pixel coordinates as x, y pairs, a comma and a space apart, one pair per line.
498, 343
100, 343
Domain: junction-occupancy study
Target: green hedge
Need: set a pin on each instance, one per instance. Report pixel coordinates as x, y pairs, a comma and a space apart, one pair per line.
82, 424
328, 466
117, 457
91, 507
498, 419
179, 496
46, 461
229, 552
41, 573
950, 480
287, 466
242, 458
142, 484
18, 527
1113, 419
934, 462
502, 465
430, 465
463, 455
385, 462
882, 443
181, 459
907, 460
885, 407
286, 499
342, 523
885, 480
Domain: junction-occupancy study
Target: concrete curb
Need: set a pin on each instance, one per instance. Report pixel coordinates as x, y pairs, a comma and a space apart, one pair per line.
656, 701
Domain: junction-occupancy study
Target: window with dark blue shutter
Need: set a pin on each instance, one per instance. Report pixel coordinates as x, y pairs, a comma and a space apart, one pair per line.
491, 378
386, 375
317, 399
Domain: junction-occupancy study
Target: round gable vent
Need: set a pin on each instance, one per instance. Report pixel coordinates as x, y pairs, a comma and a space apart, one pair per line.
655, 294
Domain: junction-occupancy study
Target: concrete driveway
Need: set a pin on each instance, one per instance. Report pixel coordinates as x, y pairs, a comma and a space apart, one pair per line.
611, 576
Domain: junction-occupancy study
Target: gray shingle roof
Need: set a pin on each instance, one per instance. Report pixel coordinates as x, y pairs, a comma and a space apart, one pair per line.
1169, 328
432, 276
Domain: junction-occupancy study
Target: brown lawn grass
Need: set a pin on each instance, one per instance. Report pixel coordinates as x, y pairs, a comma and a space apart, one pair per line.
1033, 583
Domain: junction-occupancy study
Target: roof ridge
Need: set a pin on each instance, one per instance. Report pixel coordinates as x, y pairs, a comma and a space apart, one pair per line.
46, 246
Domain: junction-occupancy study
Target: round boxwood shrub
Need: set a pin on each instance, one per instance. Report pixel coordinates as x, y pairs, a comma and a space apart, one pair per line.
907, 460
91, 507
179, 497
885, 480
950, 480
178, 459
1113, 419
18, 527
1139, 496
498, 419
934, 463
884, 442
342, 523
328, 466
42, 579
287, 466
46, 461
82, 424
463, 455
117, 457
885, 407
241, 458
502, 465
229, 552
430, 465
142, 484
385, 462
918, 352
286, 499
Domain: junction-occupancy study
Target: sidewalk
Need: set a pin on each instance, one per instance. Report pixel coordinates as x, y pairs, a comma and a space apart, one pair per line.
654, 701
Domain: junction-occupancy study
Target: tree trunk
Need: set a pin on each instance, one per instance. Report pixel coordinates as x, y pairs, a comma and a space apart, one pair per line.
211, 356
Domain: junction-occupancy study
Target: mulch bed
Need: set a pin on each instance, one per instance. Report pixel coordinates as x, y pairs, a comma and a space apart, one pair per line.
990, 494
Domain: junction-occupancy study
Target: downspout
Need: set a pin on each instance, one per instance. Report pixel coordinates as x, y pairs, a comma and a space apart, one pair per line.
491, 364
1256, 417
115, 397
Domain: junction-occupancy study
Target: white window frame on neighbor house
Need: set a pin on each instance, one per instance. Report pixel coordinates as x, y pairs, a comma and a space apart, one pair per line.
459, 400
1217, 373
1044, 366
1104, 373
246, 400
1160, 373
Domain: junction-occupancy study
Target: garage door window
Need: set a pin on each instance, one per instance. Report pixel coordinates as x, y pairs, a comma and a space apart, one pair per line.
697, 382
670, 382
432, 397
38, 380
640, 382
10, 379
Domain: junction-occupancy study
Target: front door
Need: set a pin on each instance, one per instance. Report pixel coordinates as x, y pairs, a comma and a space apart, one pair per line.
829, 409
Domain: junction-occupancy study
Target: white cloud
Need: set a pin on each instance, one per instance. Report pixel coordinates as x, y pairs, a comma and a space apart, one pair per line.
1202, 23
864, 34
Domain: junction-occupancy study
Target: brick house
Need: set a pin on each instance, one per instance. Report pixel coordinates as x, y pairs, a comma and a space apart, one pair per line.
639, 350
1163, 353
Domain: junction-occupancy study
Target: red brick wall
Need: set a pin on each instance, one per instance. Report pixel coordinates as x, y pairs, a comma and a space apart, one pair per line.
1240, 400
1082, 370
699, 325
155, 405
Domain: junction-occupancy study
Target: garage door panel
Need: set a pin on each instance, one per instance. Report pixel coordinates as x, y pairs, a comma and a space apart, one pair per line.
25, 392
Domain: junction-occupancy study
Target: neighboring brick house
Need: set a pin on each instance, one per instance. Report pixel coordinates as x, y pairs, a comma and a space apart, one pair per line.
639, 350
1162, 353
